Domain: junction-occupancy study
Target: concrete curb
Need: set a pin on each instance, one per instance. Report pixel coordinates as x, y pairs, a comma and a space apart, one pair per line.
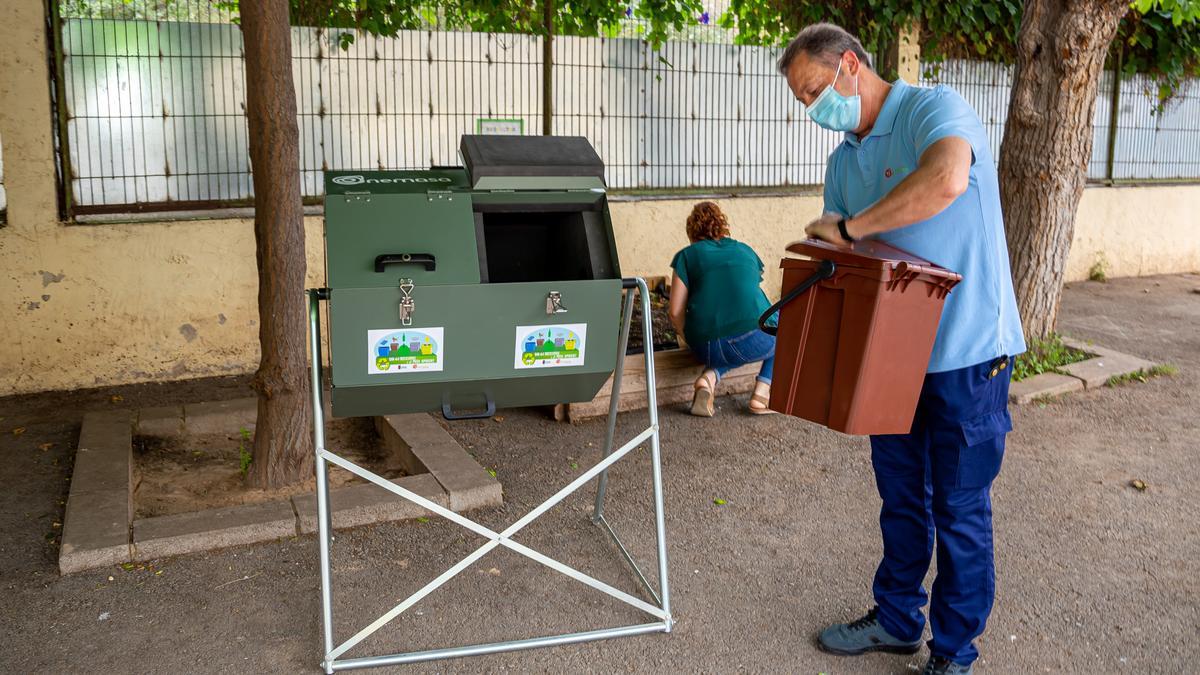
1090, 373
428, 445
210, 529
100, 502
99, 528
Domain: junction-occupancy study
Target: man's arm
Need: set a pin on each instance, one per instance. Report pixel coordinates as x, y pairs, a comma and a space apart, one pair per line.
941, 176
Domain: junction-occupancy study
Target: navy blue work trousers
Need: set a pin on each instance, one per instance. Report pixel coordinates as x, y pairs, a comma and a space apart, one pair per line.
935, 482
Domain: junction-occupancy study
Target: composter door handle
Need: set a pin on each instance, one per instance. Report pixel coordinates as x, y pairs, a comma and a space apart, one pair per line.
426, 259
824, 271
487, 412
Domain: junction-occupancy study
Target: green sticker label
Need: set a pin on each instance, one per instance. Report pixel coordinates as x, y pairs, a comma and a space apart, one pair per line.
405, 351
553, 346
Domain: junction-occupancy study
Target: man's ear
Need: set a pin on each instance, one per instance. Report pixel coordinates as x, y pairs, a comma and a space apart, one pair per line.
851, 61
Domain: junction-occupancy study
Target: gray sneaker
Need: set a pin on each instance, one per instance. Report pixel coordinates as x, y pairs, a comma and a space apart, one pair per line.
937, 665
862, 636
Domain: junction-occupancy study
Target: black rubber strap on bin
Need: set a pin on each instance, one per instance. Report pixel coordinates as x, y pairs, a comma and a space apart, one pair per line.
824, 271
426, 259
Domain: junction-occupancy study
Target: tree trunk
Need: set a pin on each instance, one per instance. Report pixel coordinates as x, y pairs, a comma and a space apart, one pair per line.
1048, 142
283, 450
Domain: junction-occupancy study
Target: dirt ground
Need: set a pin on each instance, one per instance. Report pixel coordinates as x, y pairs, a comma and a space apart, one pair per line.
196, 472
1093, 575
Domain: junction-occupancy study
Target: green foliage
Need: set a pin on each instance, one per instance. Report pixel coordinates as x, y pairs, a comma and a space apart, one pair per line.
1046, 356
1160, 39
1099, 270
245, 458
1142, 375
587, 18
1159, 44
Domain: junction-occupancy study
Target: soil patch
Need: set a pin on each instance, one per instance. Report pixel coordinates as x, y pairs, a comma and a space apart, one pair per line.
664, 337
182, 474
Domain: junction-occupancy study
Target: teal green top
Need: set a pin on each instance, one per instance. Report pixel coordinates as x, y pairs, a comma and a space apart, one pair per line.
724, 299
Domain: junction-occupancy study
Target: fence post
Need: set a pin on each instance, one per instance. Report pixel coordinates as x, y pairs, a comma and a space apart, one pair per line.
1114, 114
908, 51
62, 114
548, 68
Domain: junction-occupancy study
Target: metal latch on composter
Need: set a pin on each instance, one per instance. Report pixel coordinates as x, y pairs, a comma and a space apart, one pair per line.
407, 305
554, 303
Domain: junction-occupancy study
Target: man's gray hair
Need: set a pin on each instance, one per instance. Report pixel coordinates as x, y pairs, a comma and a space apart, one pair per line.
824, 42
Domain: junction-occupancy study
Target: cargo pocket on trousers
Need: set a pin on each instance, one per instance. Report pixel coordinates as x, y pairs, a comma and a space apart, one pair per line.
982, 448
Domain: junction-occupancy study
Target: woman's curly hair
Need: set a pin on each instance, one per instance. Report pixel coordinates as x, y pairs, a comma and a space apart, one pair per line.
707, 222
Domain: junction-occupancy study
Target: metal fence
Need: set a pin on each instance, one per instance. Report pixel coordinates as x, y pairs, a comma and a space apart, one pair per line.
153, 111
1152, 142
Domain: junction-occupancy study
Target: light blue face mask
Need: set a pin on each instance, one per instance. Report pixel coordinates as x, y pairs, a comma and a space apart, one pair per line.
835, 112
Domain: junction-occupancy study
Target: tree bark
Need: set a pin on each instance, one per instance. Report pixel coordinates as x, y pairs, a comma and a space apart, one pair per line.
283, 450
1061, 48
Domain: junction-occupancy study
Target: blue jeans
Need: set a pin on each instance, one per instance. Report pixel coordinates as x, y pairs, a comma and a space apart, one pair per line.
935, 482
725, 354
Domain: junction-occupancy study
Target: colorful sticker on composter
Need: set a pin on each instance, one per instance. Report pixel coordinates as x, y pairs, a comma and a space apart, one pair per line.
408, 350
557, 346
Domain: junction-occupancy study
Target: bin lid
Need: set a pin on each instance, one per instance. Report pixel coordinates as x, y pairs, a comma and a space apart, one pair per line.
869, 254
532, 163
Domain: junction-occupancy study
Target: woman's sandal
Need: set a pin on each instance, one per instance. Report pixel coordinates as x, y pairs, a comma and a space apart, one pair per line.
759, 403
702, 402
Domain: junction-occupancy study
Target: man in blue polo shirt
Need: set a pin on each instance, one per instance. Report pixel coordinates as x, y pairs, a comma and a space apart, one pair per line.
915, 171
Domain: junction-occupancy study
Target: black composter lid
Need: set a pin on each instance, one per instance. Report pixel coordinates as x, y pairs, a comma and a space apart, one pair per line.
532, 162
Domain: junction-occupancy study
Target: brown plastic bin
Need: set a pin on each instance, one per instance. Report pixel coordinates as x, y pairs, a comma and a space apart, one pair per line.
856, 329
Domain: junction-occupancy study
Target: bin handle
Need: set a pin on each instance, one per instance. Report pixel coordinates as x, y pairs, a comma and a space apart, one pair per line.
824, 271
488, 412
426, 259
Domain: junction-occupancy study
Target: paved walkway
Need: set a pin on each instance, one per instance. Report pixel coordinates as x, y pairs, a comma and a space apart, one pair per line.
1093, 576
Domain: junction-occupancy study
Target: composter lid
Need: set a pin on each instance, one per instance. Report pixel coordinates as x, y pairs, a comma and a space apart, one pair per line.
869, 254
532, 162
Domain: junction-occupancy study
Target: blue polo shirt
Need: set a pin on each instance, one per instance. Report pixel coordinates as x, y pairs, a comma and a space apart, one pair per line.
980, 320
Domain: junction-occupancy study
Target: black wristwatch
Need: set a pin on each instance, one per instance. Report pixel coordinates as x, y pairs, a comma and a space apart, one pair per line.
842, 230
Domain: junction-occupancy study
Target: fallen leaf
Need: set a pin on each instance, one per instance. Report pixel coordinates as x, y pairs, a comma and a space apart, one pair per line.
1138, 485
117, 398
498, 418
719, 502
45, 446
492, 472
422, 519
18, 431
158, 573
494, 572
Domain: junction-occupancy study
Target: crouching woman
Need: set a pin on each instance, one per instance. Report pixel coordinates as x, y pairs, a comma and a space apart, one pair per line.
715, 304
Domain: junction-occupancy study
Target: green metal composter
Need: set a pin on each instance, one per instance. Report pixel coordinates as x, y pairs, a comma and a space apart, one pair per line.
465, 289
453, 289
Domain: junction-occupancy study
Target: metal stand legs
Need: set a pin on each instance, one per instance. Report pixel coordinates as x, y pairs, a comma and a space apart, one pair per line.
660, 610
